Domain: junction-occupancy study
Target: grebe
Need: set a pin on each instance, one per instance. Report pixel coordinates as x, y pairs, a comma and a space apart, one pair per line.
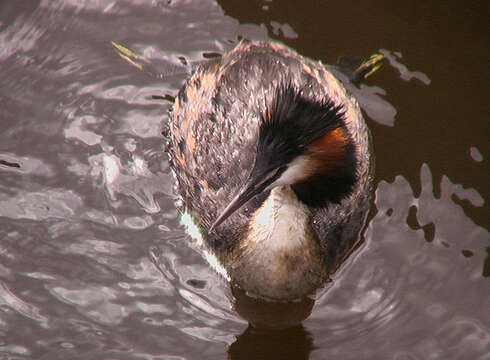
273, 161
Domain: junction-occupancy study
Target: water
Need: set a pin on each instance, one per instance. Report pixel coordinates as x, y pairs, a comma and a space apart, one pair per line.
93, 261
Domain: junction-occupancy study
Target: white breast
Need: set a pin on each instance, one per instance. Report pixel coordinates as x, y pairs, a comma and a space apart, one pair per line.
281, 223
279, 258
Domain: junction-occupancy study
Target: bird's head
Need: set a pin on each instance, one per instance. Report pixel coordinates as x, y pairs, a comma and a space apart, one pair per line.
301, 143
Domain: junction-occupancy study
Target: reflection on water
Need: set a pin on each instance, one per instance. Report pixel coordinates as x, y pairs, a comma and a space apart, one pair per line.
398, 285
262, 314
93, 261
292, 343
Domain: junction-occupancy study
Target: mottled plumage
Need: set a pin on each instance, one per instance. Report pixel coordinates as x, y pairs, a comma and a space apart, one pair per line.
264, 110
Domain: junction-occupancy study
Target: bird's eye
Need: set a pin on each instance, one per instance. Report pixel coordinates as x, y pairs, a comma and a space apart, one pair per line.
275, 174
280, 170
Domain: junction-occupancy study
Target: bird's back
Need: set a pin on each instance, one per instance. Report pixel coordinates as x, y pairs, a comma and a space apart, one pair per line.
215, 123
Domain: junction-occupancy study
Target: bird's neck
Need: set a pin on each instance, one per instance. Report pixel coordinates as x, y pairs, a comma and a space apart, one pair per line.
279, 257
282, 222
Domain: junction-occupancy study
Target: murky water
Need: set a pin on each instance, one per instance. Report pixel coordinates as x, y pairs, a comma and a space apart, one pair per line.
93, 261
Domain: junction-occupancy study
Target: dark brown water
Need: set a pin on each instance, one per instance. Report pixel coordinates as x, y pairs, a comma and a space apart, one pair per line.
93, 261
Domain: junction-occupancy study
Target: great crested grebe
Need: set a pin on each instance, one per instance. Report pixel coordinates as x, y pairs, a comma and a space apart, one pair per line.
273, 161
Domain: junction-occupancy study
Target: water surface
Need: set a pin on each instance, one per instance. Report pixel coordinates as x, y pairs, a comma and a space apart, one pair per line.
93, 261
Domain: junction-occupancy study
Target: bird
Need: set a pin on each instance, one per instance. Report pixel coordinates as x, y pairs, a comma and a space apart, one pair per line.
274, 165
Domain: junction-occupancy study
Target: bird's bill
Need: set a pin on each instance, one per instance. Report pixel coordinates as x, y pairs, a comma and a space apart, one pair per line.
254, 186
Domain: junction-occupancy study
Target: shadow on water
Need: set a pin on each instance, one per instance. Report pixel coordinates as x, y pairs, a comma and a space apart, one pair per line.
263, 314
293, 343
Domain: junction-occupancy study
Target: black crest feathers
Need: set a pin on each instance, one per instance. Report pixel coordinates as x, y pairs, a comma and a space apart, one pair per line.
294, 125
293, 122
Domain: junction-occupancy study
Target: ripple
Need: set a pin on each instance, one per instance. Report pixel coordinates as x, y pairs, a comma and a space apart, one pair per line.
50, 203
405, 74
465, 338
134, 180
26, 165
94, 263
8, 298
286, 30
383, 291
371, 100
476, 154
78, 130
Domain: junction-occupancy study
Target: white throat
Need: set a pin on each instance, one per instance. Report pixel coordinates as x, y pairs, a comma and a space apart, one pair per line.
282, 221
279, 258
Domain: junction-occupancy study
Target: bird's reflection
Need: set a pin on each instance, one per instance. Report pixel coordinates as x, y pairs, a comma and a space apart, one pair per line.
292, 343
274, 331
262, 314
